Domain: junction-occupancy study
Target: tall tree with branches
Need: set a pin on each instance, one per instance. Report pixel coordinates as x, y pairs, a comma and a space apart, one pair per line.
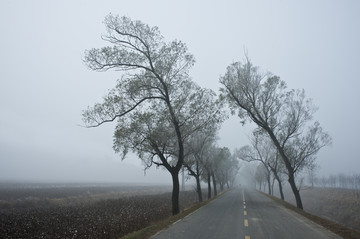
283, 115
156, 104
198, 147
258, 151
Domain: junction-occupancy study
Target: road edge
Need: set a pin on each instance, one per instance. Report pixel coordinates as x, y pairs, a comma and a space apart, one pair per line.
157, 227
338, 229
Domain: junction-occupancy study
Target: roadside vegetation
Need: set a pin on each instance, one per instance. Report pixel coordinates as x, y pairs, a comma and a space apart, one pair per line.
84, 212
338, 205
331, 224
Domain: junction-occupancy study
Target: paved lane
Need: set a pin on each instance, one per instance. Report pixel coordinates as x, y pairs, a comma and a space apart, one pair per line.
219, 219
245, 214
268, 219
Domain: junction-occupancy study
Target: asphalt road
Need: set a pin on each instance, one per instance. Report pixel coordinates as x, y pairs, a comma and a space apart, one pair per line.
244, 213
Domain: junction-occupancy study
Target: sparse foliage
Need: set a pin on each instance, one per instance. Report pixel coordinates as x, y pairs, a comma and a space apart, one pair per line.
261, 150
283, 115
156, 105
198, 147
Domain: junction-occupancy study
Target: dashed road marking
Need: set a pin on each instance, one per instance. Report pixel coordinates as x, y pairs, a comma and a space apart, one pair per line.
246, 222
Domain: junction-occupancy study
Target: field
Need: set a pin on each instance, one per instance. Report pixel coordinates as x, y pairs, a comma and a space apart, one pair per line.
83, 211
339, 205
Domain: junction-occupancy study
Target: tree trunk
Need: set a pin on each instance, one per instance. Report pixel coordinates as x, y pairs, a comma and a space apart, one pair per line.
214, 182
198, 188
288, 167
221, 186
209, 185
175, 192
269, 183
281, 190
280, 184
272, 186
295, 191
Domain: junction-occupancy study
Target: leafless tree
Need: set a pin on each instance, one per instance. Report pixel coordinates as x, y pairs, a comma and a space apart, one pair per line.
198, 148
259, 151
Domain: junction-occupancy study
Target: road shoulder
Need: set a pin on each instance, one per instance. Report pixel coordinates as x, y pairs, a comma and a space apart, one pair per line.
331, 226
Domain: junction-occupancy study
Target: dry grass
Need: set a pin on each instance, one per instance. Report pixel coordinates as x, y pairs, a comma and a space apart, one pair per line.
337, 210
47, 213
339, 205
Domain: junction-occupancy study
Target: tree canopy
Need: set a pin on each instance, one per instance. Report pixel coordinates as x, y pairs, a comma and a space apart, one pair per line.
162, 115
156, 104
284, 116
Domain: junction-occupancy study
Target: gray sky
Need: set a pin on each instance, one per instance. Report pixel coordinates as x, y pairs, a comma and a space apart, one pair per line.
44, 85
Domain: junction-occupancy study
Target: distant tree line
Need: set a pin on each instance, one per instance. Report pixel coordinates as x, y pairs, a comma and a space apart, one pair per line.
207, 162
341, 180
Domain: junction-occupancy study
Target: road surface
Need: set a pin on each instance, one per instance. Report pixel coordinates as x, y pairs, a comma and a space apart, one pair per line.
246, 214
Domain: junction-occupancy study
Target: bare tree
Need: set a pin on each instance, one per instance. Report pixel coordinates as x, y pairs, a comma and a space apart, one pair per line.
277, 168
259, 151
155, 103
283, 115
226, 167
312, 175
260, 176
198, 147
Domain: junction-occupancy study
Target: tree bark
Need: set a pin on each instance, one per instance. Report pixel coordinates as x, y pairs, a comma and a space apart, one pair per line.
289, 168
209, 185
175, 192
268, 181
280, 184
221, 186
214, 182
198, 188
281, 190
295, 191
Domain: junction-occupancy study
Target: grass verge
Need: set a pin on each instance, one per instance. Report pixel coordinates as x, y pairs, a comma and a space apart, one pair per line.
149, 231
334, 227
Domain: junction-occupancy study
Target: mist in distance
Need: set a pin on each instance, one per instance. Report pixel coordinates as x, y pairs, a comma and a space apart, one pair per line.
44, 85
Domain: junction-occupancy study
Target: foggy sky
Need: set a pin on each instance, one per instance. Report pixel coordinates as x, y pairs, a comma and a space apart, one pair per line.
44, 85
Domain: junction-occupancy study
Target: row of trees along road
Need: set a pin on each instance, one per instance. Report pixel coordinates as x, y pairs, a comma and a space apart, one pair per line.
206, 161
283, 116
157, 106
169, 121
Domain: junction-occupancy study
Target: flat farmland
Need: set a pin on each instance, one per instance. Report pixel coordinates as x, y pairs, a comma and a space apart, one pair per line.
83, 210
336, 204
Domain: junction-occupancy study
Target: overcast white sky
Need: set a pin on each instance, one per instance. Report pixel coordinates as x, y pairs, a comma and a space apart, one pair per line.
44, 85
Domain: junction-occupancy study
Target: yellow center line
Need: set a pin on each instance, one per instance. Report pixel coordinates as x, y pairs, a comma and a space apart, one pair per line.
246, 223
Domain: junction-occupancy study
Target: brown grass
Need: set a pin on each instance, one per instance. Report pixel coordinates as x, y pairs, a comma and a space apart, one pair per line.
47, 213
318, 199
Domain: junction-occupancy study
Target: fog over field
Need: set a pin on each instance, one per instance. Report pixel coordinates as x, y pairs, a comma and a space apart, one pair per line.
45, 86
